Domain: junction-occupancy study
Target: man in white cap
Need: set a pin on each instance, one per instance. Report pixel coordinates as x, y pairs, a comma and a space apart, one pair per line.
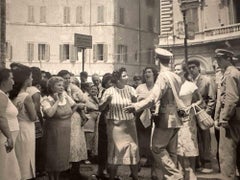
228, 109
165, 135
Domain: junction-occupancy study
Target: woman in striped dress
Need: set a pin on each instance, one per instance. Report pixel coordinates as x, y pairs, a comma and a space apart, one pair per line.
121, 127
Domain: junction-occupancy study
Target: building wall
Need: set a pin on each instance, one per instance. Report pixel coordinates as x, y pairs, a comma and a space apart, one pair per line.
216, 29
135, 33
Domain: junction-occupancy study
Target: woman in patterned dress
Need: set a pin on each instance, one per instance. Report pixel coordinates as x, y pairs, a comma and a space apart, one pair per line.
121, 127
187, 135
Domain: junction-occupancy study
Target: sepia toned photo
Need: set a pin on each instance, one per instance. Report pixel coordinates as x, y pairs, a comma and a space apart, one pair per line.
119, 90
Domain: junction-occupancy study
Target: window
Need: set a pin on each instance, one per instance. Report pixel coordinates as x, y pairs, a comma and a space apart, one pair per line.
100, 14
30, 52
100, 52
79, 14
30, 14
66, 15
150, 23
43, 52
68, 52
121, 16
192, 18
122, 54
8, 51
43, 14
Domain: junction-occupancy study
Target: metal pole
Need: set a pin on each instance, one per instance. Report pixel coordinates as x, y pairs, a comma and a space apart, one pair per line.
186, 36
83, 58
2, 33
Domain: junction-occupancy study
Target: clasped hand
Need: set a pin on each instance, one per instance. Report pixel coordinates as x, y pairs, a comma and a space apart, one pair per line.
129, 109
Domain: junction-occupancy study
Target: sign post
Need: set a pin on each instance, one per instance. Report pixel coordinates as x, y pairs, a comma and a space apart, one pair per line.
84, 42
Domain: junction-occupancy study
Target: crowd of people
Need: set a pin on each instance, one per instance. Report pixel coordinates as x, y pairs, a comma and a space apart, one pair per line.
51, 124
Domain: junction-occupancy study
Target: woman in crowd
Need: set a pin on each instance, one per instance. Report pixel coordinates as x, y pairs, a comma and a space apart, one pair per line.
78, 149
9, 128
121, 127
34, 92
187, 136
91, 126
25, 142
58, 108
143, 123
102, 132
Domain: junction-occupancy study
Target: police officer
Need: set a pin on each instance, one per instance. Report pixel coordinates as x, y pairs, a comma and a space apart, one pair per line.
165, 135
229, 118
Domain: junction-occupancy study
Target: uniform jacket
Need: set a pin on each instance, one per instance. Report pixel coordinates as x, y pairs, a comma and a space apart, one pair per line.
230, 92
207, 89
162, 91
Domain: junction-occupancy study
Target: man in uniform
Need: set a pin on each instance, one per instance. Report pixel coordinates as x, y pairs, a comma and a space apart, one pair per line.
229, 109
207, 90
165, 135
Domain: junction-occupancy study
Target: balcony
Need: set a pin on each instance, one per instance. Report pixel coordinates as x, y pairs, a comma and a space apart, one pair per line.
222, 30
208, 35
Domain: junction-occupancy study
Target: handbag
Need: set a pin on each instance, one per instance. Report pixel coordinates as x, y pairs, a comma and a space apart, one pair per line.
204, 120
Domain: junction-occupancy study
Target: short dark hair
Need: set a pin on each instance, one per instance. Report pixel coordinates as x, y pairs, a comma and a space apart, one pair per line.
4, 74
84, 74
155, 73
116, 75
106, 77
195, 62
63, 73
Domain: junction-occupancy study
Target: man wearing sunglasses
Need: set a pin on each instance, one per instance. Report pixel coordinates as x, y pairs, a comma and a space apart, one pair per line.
207, 90
229, 113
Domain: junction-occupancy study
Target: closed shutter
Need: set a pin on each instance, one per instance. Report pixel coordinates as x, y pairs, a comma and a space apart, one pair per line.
125, 55
47, 55
42, 14
72, 51
100, 18
61, 55
105, 52
79, 13
30, 52
94, 53
9, 51
119, 53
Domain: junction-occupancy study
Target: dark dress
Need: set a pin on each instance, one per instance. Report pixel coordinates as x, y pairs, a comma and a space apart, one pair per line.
57, 137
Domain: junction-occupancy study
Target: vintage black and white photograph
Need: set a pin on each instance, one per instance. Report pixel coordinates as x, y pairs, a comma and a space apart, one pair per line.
120, 90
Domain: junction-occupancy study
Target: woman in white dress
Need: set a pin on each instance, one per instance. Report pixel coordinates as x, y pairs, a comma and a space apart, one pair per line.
187, 135
25, 142
9, 129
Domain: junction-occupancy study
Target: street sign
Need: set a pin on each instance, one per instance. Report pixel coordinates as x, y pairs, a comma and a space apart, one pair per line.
83, 41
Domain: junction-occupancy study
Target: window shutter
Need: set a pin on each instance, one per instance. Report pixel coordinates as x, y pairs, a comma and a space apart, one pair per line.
47, 55
66, 17
8, 51
30, 14
72, 50
105, 52
121, 15
100, 14
79, 13
61, 53
125, 54
42, 14
30, 51
119, 53
94, 53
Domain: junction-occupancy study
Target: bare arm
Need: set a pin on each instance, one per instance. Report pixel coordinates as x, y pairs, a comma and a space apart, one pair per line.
30, 108
4, 128
36, 100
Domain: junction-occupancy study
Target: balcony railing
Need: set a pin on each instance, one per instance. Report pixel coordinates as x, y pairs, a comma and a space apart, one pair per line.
222, 30
213, 34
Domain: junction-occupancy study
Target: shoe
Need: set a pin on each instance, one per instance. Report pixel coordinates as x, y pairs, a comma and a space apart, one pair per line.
206, 170
154, 178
